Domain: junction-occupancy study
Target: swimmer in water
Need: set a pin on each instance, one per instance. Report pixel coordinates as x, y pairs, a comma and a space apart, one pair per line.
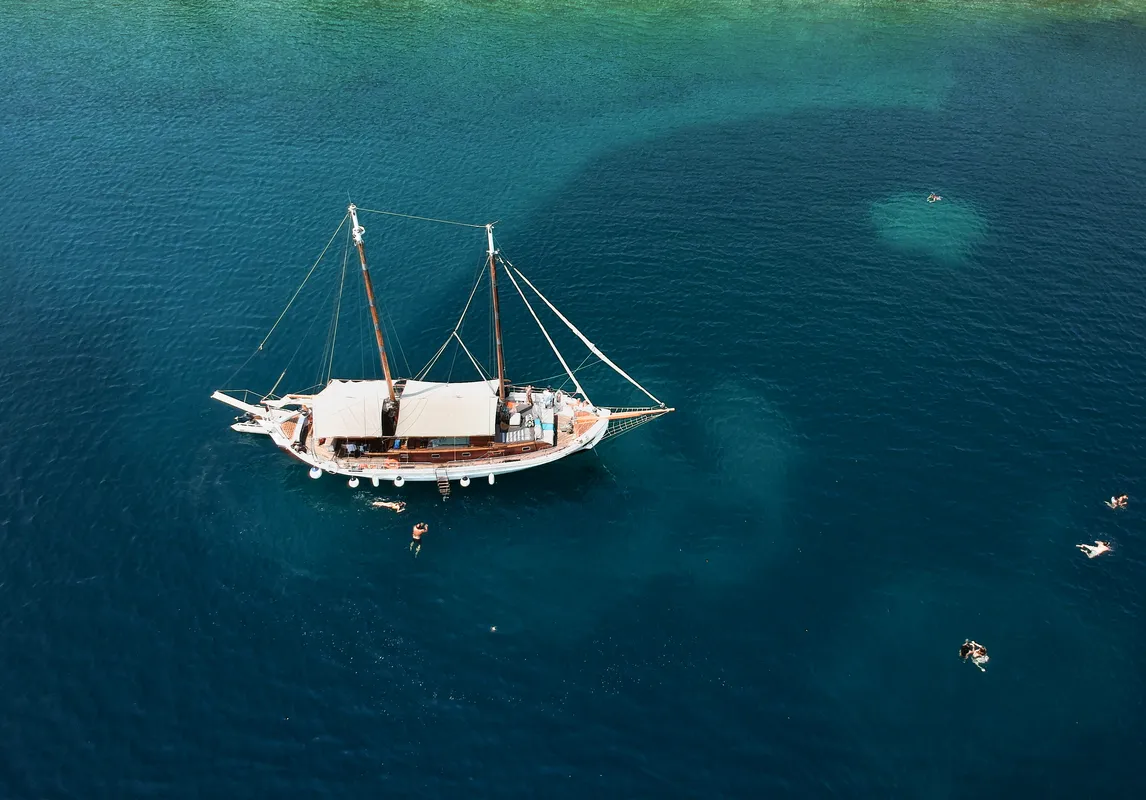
976, 652
396, 506
1096, 549
416, 543
1118, 502
933, 198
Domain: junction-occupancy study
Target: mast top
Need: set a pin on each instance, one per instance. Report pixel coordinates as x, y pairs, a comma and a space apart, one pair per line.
356, 230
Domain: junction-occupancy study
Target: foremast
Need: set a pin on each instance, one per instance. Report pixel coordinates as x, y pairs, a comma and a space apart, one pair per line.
356, 232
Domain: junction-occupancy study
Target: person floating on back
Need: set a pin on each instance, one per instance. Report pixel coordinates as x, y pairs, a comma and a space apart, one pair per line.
416, 544
396, 506
976, 652
933, 198
1096, 549
1118, 502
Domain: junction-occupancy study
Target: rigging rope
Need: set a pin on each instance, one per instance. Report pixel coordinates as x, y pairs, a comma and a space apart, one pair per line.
556, 352
582, 337
578, 368
292, 299
473, 360
302, 340
424, 370
337, 311
387, 317
424, 219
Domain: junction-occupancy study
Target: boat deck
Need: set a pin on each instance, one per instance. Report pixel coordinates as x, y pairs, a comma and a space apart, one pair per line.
569, 426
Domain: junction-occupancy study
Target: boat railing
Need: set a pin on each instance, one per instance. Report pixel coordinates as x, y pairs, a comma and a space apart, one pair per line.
639, 416
513, 387
248, 396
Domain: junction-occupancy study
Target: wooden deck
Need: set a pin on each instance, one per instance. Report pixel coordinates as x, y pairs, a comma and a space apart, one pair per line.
445, 457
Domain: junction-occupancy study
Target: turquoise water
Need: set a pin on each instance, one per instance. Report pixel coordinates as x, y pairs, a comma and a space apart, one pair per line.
895, 419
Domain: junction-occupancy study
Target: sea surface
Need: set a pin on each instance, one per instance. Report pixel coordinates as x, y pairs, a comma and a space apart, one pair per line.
894, 419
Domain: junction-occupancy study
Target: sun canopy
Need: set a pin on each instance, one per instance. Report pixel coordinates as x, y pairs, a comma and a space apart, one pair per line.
447, 409
349, 410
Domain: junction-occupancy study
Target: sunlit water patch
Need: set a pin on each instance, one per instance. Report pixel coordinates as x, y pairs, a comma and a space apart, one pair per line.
945, 229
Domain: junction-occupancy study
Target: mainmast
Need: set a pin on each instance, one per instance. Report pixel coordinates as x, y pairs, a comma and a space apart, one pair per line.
496, 314
357, 231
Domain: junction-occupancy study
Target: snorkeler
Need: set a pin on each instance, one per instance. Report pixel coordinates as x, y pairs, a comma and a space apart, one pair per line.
1118, 502
416, 543
1096, 549
397, 506
976, 652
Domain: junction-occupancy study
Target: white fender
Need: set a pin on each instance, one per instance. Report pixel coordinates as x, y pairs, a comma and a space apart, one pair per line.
315, 473
376, 482
465, 481
352, 483
491, 480
399, 482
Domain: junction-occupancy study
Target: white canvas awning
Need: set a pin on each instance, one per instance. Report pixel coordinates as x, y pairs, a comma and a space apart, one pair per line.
349, 410
443, 410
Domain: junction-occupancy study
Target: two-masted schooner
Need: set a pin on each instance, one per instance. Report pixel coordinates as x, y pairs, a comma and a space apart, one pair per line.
410, 429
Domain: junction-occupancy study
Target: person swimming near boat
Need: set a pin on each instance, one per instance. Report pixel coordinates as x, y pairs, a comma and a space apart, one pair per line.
420, 528
976, 652
1096, 549
397, 506
933, 198
1118, 502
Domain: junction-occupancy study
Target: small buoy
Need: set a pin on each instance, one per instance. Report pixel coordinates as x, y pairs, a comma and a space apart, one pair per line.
315, 473
352, 483
399, 481
491, 480
465, 481
376, 482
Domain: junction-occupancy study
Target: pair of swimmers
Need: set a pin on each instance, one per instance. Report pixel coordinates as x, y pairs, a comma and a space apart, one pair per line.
1099, 547
420, 528
976, 652
1118, 502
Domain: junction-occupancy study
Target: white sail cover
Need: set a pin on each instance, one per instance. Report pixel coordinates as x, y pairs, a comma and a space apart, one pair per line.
349, 410
447, 409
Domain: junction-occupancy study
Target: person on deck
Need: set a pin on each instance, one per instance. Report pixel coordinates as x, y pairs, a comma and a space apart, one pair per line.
1096, 549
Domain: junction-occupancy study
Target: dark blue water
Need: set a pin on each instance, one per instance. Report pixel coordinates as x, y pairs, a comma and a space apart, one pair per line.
894, 420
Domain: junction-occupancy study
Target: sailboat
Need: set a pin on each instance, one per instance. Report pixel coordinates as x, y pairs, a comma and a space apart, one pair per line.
394, 429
